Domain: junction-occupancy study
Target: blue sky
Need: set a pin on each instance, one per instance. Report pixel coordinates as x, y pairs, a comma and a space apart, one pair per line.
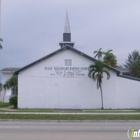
32, 29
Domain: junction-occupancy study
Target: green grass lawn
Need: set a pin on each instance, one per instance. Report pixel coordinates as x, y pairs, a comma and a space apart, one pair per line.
3, 104
111, 111
69, 117
65, 110
26, 110
33, 110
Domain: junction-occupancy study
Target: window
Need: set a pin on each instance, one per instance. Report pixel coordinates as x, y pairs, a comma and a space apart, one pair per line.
68, 62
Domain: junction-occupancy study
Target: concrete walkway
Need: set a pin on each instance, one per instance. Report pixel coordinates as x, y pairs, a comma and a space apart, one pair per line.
69, 113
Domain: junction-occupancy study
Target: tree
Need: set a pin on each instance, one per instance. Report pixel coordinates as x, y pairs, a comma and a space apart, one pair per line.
1, 40
98, 54
11, 83
134, 56
108, 52
13, 101
96, 73
110, 59
135, 69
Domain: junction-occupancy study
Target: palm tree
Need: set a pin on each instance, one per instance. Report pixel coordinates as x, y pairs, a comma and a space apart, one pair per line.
110, 59
108, 52
96, 73
11, 83
98, 54
1, 40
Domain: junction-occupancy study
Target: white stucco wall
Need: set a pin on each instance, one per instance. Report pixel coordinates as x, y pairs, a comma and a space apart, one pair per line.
44, 91
128, 93
5, 94
38, 89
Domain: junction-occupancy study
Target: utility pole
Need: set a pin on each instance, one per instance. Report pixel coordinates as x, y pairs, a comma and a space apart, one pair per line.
0, 18
1, 40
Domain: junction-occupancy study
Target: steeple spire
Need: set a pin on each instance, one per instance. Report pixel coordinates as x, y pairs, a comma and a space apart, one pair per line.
66, 34
67, 25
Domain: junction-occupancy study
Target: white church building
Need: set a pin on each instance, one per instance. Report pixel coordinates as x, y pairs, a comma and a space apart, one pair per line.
60, 80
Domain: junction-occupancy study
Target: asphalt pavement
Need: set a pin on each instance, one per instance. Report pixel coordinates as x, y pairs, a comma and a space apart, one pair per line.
43, 130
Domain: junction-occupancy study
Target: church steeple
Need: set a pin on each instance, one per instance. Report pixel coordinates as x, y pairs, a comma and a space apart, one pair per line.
66, 34
67, 24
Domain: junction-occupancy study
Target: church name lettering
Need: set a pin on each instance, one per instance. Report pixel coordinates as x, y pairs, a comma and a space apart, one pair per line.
67, 71
66, 68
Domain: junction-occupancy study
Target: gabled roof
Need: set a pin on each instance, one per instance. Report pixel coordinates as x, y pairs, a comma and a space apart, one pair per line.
129, 77
10, 70
123, 70
58, 51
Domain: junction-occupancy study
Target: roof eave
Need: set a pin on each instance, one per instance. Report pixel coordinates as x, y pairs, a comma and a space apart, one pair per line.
57, 51
9, 72
128, 77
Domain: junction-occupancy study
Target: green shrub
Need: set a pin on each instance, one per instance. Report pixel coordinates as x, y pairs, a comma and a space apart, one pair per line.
13, 101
